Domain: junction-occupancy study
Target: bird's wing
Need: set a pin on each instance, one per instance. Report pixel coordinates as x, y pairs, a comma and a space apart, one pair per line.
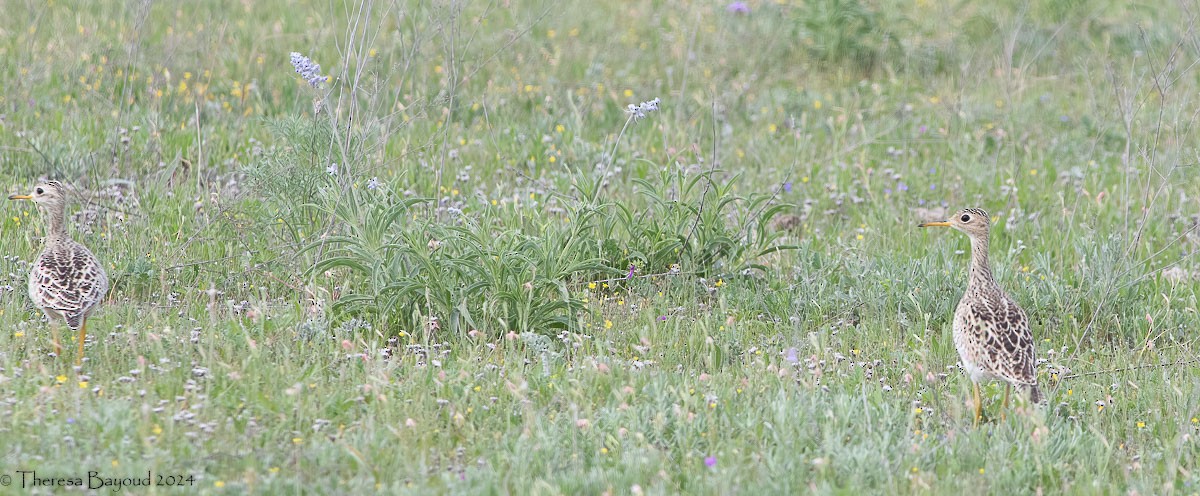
70, 281
1009, 342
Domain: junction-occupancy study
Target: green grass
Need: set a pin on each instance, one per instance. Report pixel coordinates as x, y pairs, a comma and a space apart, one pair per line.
468, 326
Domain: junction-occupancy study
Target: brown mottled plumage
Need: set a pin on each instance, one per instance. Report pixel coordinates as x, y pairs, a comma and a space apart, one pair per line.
991, 332
66, 280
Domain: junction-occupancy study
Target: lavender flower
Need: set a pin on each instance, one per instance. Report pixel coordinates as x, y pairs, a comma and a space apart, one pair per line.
307, 69
639, 111
902, 187
787, 187
738, 8
332, 169
373, 183
710, 461
790, 356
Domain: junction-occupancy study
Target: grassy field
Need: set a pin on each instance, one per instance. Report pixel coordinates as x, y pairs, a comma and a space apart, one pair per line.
456, 264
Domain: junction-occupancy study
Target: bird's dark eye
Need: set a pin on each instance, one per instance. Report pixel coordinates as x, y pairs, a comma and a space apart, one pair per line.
40, 191
966, 218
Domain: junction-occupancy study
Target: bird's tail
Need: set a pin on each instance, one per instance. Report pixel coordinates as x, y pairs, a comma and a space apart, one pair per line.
1035, 395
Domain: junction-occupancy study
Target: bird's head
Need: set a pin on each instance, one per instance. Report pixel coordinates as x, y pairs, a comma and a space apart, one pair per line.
47, 194
973, 221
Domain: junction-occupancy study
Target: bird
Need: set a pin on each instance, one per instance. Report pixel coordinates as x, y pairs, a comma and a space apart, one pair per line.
66, 281
991, 331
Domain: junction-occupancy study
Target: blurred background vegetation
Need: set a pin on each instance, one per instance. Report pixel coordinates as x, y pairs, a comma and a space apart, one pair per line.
466, 179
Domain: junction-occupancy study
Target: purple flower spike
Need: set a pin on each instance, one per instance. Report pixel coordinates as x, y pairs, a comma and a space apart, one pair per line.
710, 461
307, 69
738, 8
632, 269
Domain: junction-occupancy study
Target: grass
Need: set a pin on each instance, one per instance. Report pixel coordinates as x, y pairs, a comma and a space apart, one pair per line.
453, 311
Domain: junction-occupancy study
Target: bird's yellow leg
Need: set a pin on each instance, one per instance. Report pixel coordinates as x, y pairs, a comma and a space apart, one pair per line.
82, 337
978, 404
1004, 405
54, 338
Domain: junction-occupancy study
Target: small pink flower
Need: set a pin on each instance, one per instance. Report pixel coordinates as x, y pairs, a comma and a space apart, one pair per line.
710, 461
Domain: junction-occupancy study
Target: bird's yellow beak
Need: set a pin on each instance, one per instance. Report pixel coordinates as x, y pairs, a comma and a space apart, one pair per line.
941, 223
20, 197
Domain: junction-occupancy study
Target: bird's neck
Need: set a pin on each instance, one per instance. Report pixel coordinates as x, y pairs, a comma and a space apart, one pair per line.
56, 223
981, 270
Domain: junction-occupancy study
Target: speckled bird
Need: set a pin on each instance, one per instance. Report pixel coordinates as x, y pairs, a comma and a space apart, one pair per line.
67, 282
991, 332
